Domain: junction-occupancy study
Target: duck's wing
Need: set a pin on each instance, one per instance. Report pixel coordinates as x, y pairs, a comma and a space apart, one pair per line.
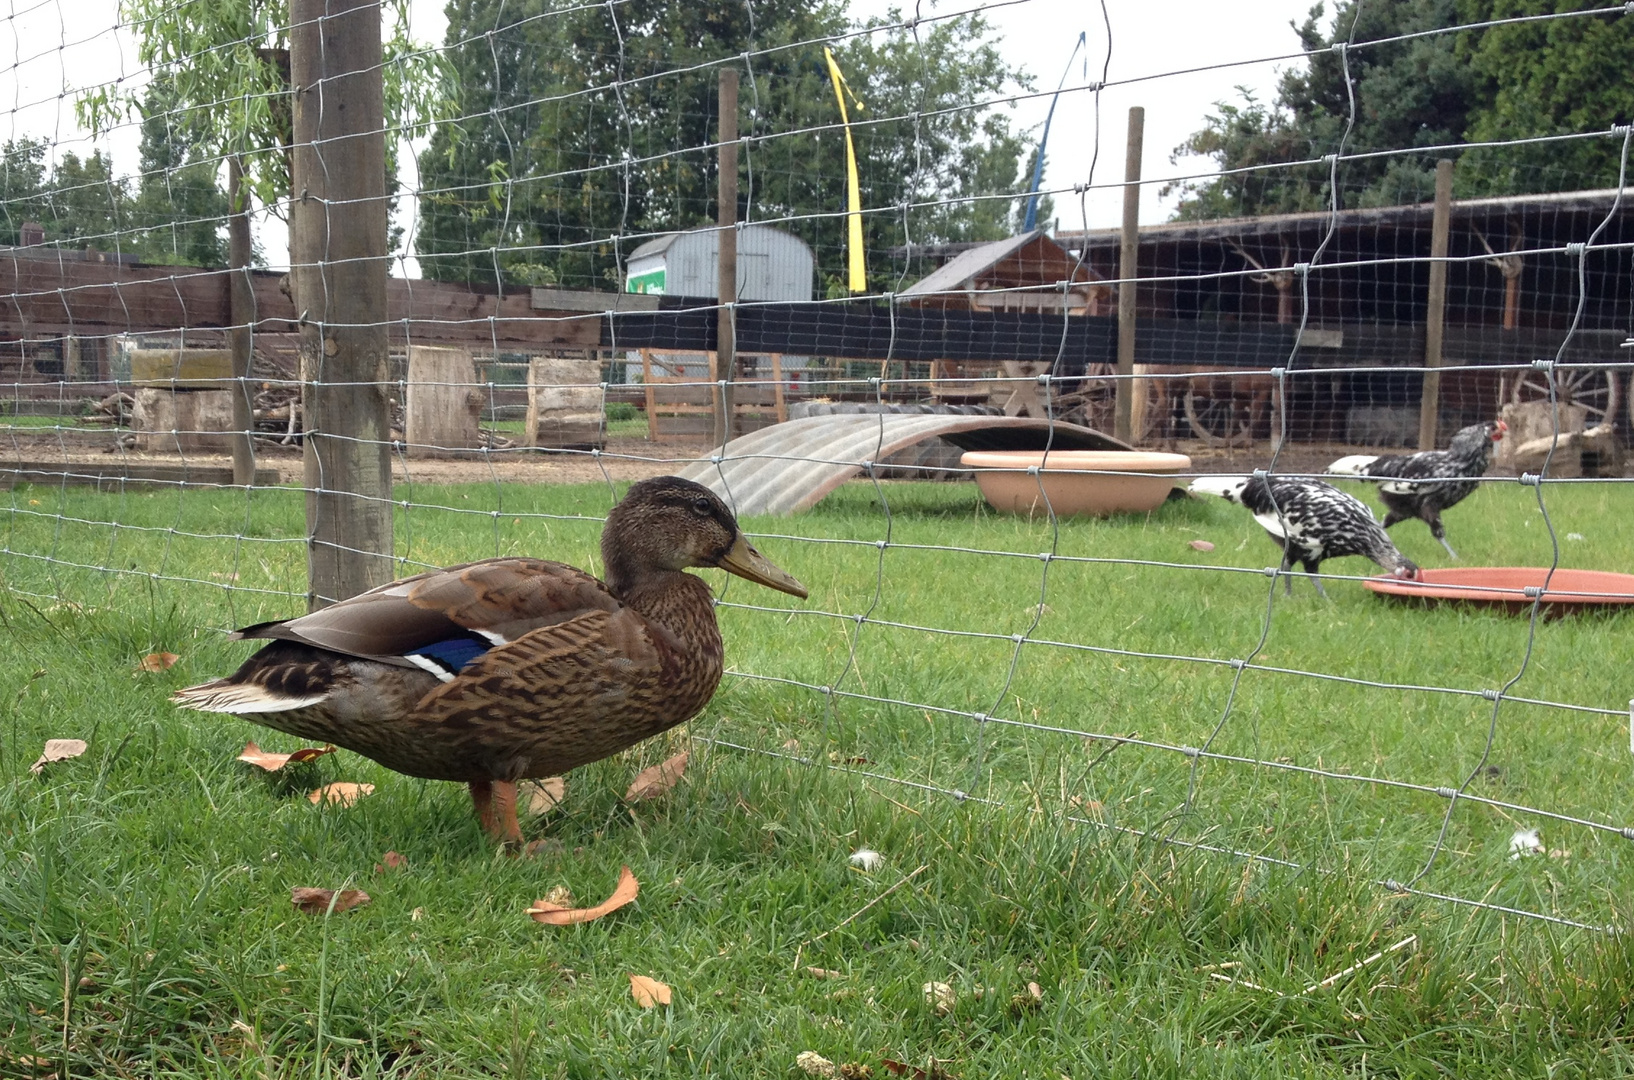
443, 619
597, 661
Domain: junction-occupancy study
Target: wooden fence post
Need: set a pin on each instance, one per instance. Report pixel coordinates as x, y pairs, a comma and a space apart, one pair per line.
726, 217
1436, 308
241, 316
1128, 259
338, 258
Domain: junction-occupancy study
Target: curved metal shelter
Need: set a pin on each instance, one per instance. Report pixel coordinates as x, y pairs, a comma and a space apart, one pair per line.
789, 467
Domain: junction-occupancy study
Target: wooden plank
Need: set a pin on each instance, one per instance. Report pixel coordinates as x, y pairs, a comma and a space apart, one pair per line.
565, 403
443, 403
564, 300
182, 369
116, 473
45, 297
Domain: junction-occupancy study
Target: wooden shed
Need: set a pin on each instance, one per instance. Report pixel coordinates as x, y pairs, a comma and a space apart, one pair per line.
1022, 273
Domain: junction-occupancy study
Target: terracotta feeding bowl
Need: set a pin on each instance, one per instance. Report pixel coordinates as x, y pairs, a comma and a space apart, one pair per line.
1504, 586
1098, 482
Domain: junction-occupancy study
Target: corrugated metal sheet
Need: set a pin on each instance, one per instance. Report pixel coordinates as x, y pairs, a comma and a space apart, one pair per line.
772, 264
786, 468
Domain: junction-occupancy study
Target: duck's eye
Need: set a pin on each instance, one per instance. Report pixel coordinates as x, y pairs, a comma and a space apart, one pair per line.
702, 506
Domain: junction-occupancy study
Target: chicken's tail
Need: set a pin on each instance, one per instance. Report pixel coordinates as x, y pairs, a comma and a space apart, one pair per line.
1354, 465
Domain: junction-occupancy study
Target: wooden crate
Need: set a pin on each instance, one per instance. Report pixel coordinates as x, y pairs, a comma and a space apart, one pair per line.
683, 407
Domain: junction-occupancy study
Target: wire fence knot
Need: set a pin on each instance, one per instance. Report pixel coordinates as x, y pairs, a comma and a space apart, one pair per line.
1446, 792
1576, 249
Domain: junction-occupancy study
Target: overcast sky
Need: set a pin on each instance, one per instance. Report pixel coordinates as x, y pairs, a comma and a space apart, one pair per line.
50, 49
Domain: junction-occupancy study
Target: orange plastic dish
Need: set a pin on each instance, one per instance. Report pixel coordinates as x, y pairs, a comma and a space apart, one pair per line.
1007, 485
1505, 586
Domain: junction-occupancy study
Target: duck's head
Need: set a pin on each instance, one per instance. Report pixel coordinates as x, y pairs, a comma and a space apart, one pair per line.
668, 523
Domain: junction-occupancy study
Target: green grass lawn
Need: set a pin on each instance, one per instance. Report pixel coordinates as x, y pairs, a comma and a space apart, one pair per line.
144, 896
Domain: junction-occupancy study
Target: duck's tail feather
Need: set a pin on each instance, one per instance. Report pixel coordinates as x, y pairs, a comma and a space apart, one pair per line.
224, 696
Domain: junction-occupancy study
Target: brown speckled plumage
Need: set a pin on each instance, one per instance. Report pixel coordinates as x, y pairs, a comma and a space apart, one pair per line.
572, 670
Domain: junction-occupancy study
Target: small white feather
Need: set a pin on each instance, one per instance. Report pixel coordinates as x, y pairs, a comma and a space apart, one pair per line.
866, 859
1354, 464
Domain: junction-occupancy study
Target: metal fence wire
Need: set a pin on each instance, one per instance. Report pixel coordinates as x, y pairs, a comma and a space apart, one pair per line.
286, 315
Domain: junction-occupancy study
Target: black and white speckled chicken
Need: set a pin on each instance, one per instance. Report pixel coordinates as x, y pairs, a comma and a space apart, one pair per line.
1311, 521
1431, 480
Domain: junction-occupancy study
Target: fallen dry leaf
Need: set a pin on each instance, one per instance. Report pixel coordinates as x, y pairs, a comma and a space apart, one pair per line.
556, 915
390, 861
543, 796
939, 995
254, 755
559, 896
812, 1063
653, 782
157, 661
648, 992
58, 750
342, 794
316, 901
1031, 999
823, 973
1200, 545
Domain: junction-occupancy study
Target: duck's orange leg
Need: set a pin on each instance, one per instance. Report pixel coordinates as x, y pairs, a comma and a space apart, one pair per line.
482, 797
508, 831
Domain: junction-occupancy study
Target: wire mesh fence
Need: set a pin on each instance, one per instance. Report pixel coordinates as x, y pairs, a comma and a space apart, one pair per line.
512, 267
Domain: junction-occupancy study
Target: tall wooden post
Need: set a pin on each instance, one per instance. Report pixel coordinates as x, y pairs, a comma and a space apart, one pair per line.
1128, 258
726, 217
241, 315
338, 258
1436, 307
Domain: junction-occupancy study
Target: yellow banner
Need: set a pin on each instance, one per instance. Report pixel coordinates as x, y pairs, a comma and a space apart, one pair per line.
853, 217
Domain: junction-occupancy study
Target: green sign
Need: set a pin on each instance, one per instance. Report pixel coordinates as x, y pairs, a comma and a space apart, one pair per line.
650, 282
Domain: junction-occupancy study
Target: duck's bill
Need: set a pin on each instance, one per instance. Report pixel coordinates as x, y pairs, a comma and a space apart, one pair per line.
743, 560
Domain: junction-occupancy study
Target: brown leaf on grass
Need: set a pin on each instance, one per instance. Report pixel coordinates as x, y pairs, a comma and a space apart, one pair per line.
824, 973
552, 914
653, 782
543, 796
390, 861
342, 794
1200, 545
1031, 999
648, 992
157, 661
263, 759
58, 750
316, 901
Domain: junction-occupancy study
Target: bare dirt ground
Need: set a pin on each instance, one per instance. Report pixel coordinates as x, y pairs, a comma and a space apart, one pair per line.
622, 459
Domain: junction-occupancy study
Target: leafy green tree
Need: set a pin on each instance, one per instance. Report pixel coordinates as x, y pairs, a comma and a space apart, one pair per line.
85, 201
1561, 77
585, 131
22, 186
1414, 93
180, 207
224, 66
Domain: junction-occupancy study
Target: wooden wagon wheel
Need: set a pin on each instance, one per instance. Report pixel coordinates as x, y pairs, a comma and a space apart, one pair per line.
1597, 390
1094, 403
1219, 421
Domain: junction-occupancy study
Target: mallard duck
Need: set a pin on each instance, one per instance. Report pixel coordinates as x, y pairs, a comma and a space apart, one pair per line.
508, 669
